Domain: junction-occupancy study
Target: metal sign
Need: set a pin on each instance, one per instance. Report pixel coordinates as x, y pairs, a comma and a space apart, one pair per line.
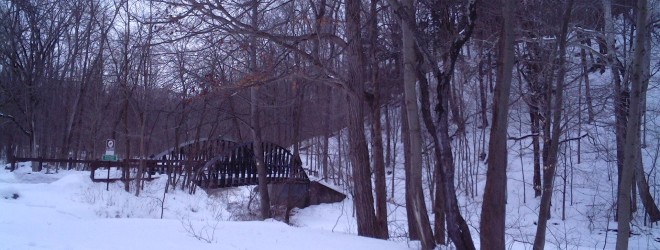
109, 150
109, 158
110, 145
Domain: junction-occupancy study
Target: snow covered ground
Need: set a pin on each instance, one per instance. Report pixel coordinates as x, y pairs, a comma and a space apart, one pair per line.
67, 211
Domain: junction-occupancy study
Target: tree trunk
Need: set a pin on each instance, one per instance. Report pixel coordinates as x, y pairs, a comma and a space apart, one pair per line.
257, 149
457, 228
259, 154
640, 176
551, 147
438, 206
127, 96
483, 95
376, 128
619, 100
644, 189
587, 86
413, 233
536, 148
493, 210
414, 187
364, 201
639, 79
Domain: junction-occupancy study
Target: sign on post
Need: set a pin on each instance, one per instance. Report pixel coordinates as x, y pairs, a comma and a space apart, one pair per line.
109, 151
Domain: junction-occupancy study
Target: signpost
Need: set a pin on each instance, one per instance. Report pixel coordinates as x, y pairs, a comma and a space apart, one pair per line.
109, 151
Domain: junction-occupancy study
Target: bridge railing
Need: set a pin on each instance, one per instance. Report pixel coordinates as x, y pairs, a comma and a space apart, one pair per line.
237, 167
234, 167
151, 167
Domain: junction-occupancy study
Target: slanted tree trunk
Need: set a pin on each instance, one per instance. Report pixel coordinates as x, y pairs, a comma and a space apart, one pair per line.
493, 210
438, 206
457, 228
639, 79
414, 187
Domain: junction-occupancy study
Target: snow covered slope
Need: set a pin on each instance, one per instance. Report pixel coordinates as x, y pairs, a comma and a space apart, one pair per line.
68, 211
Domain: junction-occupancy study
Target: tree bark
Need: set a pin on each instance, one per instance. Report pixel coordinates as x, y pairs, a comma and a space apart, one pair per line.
413, 233
620, 102
639, 78
257, 149
414, 187
376, 128
438, 206
640, 176
493, 210
259, 154
364, 200
459, 233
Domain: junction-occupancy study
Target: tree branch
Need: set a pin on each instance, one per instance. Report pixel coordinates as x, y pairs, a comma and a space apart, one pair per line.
522, 137
13, 119
574, 138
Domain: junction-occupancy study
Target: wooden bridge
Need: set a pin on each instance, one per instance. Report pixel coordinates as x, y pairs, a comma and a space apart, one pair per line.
207, 163
238, 168
210, 164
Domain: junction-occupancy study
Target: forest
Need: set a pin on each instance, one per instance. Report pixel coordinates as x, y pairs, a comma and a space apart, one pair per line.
447, 96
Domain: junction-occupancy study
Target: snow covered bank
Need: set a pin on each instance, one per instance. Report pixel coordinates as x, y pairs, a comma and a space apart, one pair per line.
68, 211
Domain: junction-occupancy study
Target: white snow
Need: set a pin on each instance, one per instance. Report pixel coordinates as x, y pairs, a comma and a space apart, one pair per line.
68, 211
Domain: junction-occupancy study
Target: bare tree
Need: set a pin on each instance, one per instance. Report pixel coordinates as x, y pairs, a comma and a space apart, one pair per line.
414, 182
355, 62
256, 129
638, 85
376, 125
552, 128
493, 210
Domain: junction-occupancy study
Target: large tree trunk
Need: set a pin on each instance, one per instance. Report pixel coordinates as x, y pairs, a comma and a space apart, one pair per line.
493, 210
414, 187
639, 79
362, 188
